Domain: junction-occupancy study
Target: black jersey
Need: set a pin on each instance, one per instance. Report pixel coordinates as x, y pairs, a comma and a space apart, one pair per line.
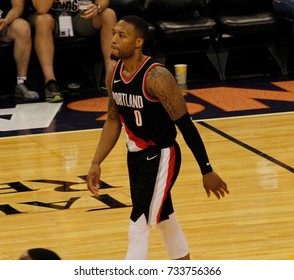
145, 121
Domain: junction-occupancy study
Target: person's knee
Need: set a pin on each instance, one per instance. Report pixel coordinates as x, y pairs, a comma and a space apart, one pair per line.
139, 229
138, 236
108, 16
21, 29
110, 13
44, 22
173, 239
106, 19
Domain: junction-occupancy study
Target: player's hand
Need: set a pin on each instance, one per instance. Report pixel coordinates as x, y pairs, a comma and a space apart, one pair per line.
212, 182
93, 179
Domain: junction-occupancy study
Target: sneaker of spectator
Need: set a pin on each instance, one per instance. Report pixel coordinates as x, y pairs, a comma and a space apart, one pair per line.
52, 93
24, 92
17, 31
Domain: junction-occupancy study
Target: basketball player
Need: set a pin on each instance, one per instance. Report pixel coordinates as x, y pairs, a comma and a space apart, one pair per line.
145, 99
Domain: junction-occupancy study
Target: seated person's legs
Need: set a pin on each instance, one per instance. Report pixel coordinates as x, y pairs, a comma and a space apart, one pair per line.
105, 23
44, 27
102, 23
19, 33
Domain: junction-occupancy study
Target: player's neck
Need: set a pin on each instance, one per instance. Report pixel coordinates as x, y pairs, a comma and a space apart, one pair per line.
133, 64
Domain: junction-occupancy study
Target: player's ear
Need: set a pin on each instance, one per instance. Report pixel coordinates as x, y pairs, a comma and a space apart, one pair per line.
140, 42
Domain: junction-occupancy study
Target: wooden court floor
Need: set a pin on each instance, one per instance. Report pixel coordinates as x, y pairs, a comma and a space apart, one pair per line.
44, 201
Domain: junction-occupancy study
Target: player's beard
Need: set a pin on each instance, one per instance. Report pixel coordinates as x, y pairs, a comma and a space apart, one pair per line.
113, 57
122, 56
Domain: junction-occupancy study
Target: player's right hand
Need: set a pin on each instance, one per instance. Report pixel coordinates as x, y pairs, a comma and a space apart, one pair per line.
93, 179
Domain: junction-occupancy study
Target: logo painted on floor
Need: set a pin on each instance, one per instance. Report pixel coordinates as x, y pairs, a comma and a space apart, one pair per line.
28, 116
78, 196
227, 99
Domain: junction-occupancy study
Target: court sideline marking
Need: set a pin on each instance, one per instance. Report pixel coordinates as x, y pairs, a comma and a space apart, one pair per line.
246, 146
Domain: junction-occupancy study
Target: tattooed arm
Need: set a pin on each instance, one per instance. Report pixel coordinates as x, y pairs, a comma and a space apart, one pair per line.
162, 84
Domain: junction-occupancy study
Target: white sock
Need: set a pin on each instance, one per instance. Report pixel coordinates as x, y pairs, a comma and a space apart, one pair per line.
20, 80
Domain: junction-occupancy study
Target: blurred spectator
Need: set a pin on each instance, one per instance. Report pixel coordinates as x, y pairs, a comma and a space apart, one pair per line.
39, 254
16, 30
46, 21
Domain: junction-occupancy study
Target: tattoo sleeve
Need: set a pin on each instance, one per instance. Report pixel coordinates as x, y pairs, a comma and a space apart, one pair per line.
162, 84
112, 109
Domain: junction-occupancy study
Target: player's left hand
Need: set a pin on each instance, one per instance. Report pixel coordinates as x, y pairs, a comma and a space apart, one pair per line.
212, 182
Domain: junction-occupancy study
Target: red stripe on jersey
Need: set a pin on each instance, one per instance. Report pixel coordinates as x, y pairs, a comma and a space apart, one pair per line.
170, 175
139, 142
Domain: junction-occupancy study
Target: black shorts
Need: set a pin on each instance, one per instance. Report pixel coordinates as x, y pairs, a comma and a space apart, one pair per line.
152, 174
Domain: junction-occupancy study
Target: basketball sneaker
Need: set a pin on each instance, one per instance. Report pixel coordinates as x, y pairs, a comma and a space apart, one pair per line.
52, 93
23, 91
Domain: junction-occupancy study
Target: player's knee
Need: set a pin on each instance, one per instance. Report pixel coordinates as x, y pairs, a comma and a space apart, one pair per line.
173, 239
